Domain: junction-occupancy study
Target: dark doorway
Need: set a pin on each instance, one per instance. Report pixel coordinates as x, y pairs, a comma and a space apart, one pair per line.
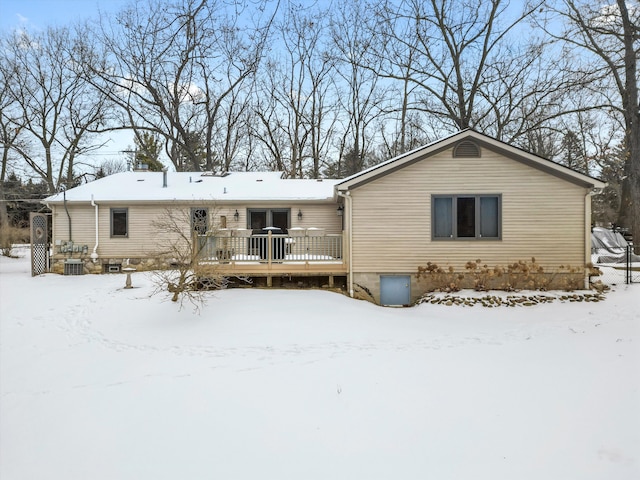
466, 217
258, 219
280, 219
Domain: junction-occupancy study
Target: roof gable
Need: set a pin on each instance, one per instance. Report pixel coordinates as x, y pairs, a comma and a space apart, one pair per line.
463, 143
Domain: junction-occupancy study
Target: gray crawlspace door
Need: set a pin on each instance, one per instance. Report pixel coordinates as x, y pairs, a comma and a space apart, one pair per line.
395, 289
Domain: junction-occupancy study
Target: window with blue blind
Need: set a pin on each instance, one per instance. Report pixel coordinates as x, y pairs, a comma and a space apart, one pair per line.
466, 217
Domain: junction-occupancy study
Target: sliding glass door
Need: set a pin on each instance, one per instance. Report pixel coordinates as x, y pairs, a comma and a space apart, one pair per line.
260, 218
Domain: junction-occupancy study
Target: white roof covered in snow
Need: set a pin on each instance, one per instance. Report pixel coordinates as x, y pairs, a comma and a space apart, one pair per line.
194, 186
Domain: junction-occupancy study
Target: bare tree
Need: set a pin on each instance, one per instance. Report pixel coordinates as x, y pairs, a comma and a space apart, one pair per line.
109, 167
183, 244
230, 144
150, 70
184, 279
227, 61
393, 55
605, 41
363, 98
463, 57
175, 65
54, 111
8, 137
296, 119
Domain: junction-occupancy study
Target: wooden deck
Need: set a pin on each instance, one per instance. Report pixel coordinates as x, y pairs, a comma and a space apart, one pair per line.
273, 255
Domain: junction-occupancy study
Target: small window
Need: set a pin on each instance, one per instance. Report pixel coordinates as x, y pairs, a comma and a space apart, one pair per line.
466, 217
119, 222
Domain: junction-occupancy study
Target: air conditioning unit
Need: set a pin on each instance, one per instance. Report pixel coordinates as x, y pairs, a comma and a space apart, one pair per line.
73, 266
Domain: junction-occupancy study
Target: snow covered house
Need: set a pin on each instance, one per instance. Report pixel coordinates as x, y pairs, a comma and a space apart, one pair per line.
464, 198
249, 223
456, 200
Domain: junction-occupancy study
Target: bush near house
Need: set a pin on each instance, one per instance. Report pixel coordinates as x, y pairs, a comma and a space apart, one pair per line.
10, 236
520, 275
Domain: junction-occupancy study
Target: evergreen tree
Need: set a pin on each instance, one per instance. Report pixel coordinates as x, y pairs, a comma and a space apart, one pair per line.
148, 147
606, 205
22, 198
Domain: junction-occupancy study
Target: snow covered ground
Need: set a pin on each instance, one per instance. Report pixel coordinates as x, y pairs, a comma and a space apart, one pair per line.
99, 382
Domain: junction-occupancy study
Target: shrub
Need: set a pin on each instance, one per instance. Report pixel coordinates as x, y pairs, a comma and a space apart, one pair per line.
9, 237
520, 275
440, 279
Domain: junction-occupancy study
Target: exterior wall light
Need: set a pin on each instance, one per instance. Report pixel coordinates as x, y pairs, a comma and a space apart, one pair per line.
299, 214
340, 210
236, 216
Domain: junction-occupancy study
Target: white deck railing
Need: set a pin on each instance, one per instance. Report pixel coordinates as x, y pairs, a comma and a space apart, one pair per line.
270, 248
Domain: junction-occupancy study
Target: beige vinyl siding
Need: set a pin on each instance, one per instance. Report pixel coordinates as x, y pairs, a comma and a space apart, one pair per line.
542, 215
317, 216
143, 239
82, 225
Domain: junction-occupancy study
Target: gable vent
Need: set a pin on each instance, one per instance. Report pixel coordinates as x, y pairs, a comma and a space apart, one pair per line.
466, 149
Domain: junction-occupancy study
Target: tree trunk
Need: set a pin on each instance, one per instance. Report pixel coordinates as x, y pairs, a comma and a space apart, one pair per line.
4, 215
629, 214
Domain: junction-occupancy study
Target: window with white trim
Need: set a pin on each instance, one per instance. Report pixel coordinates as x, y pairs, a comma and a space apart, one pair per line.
466, 217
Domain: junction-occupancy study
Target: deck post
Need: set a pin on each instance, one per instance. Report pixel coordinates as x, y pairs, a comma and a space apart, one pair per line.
330, 281
269, 281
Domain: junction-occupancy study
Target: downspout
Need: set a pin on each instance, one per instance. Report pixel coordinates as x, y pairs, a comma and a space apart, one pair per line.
348, 205
94, 254
50, 250
64, 199
587, 233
